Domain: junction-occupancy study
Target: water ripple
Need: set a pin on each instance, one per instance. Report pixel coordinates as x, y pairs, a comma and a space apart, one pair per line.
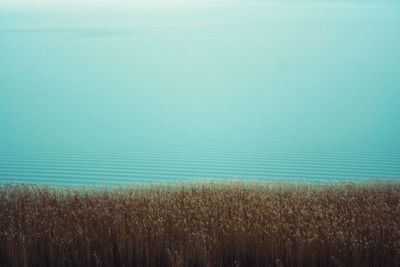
151, 164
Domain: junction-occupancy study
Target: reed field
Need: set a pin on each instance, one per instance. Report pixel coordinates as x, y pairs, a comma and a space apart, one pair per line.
210, 224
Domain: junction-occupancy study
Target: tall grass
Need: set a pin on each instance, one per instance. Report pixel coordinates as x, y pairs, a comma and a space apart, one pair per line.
201, 225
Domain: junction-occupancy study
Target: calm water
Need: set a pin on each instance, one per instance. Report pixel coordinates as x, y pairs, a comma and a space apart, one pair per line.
235, 89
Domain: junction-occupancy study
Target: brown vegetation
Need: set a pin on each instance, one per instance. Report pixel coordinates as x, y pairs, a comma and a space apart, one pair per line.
201, 225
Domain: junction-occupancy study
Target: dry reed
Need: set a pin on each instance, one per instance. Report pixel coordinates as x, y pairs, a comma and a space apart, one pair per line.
201, 225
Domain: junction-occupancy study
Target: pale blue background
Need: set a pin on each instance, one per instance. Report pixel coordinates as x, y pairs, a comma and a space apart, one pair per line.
236, 89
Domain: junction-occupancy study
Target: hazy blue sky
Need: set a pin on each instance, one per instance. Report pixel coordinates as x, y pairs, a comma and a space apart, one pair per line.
164, 3
100, 3
267, 72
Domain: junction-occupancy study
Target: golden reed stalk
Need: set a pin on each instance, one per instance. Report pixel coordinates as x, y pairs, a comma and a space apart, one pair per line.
230, 224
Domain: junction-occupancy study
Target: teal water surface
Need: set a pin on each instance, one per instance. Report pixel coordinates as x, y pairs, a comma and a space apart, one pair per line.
300, 90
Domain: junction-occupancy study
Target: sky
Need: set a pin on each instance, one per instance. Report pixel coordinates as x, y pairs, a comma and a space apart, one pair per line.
163, 3
99, 3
